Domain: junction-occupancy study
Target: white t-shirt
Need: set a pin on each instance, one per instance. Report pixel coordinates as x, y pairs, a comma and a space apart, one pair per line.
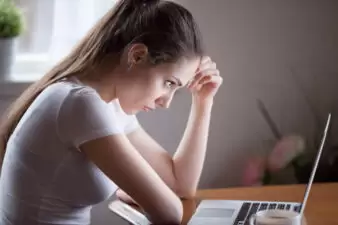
45, 179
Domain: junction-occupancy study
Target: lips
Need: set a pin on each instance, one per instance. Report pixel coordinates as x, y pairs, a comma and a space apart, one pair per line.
147, 109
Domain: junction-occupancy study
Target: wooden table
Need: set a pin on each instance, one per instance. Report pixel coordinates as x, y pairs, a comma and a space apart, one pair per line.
321, 208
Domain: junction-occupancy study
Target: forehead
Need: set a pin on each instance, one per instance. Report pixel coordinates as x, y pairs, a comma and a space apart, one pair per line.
184, 69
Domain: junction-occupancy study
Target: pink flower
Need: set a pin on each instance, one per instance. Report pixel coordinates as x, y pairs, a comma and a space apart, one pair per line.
254, 171
284, 151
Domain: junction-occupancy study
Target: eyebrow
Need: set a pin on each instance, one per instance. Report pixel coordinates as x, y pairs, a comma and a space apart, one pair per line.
179, 83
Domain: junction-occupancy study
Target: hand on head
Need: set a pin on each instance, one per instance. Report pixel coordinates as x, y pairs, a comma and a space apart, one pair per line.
207, 80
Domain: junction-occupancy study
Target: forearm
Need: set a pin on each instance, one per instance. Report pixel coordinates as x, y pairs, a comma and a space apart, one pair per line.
189, 158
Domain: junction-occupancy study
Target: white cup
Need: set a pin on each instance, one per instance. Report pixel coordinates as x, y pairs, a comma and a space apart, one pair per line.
276, 217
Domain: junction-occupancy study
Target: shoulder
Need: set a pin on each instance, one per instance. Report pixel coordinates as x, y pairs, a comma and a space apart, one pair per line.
52, 98
69, 88
79, 99
84, 116
64, 93
58, 92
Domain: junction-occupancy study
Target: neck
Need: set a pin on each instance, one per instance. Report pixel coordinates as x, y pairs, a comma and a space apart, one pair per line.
103, 82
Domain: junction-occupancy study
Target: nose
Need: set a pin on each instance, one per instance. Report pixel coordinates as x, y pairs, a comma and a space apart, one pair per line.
164, 101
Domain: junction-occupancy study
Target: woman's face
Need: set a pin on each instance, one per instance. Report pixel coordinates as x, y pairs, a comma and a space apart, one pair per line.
146, 87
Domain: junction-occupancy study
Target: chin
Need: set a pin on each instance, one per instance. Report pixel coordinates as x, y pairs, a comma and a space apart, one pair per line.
130, 111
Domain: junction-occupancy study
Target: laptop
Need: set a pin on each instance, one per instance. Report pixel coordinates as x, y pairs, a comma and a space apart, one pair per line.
228, 212
235, 212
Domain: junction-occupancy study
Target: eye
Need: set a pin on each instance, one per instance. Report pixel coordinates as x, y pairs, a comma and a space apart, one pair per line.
169, 83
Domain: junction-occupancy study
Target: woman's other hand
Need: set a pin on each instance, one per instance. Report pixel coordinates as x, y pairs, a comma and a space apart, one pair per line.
207, 80
124, 197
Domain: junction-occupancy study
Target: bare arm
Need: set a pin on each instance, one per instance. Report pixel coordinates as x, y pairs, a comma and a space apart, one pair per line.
189, 158
121, 162
182, 171
190, 155
86, 122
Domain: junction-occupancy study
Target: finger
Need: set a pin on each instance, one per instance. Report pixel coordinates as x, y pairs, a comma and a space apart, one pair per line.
210, 79
204, 80
123, 196
195, 80
216, 80
205, 59
207, 65
210, 71
204, 75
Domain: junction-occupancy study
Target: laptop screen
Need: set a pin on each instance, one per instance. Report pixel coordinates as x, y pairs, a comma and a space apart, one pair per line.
315, 165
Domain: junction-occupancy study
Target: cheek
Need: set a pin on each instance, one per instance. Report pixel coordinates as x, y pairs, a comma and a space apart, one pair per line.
148, 92
155, 86
155, 90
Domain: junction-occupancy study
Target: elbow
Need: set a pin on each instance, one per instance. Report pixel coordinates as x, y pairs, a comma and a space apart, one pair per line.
186, 193
184, 190
175, 217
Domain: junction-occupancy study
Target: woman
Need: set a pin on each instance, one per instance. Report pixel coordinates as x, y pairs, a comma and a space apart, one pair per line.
72, 138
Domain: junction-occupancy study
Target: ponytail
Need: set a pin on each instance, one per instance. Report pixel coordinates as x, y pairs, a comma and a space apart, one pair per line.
166, 28
82, 57
14, 113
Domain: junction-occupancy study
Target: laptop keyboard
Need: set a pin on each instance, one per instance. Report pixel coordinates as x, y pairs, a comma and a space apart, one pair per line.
249, 208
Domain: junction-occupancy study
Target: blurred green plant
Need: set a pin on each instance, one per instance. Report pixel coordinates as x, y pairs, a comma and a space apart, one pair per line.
11, 20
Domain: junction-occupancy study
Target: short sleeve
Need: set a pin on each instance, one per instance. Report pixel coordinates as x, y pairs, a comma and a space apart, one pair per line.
84, 116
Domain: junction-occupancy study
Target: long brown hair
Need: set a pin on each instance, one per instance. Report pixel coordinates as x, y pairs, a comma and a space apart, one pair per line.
166, 28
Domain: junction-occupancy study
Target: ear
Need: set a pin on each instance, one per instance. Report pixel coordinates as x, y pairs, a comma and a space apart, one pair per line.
138, 53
